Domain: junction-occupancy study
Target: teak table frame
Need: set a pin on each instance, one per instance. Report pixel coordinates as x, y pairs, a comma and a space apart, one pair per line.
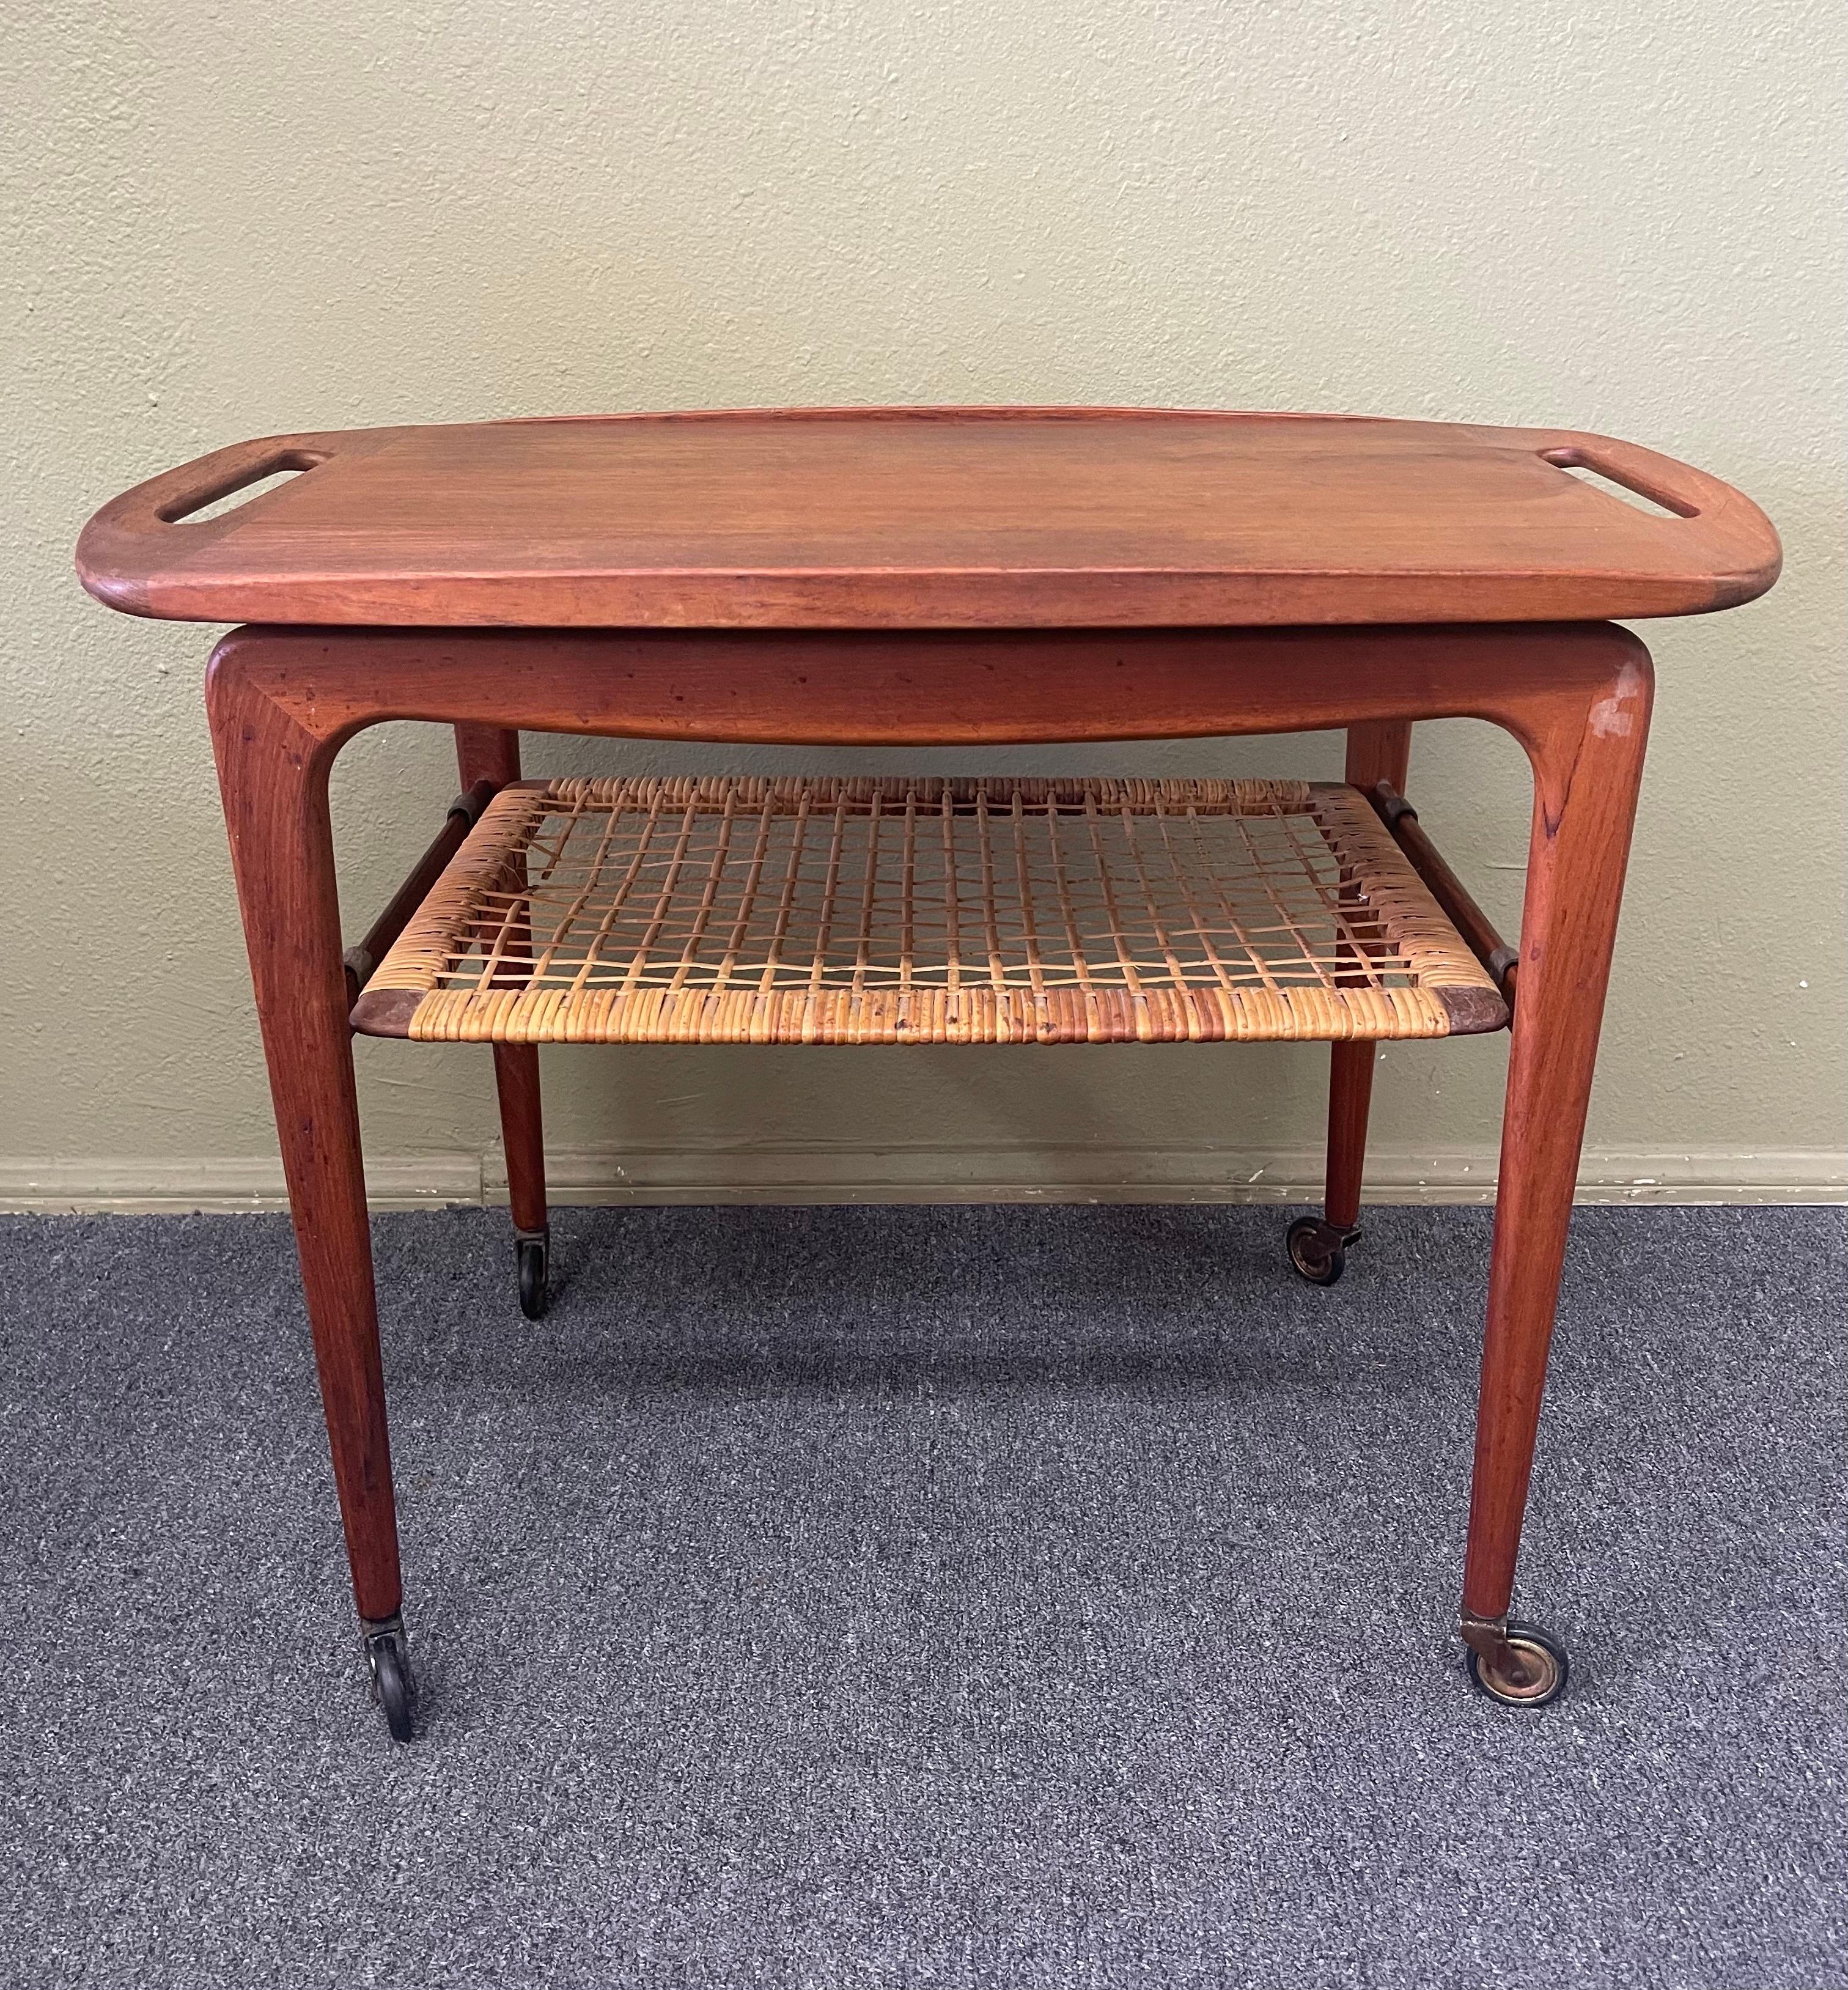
931, 578
283, 701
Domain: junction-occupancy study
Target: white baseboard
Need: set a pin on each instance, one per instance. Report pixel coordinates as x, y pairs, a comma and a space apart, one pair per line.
845, 1174
221, 1186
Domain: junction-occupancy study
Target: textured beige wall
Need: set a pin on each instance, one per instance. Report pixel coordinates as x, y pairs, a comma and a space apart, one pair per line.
223, 222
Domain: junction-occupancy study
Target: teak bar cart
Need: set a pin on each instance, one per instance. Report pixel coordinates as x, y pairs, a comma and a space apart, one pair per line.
931, 577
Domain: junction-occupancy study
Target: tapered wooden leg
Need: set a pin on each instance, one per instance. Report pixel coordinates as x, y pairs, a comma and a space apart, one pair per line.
1350, 1095
492, 753
1378, 752
273, 775
517, 1081
1587, 765
489, 753
1375, 753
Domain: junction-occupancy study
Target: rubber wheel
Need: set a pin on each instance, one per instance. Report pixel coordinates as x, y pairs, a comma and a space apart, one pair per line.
1538, 1677
392, 1686
1317, 1250
534, 1255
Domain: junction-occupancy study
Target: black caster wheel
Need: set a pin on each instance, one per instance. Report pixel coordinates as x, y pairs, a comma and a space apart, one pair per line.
393, 1686
1527, 1667
1317, 1250
534, 1252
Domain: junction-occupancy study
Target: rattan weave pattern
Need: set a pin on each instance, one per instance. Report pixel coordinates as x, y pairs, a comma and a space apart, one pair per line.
740, 910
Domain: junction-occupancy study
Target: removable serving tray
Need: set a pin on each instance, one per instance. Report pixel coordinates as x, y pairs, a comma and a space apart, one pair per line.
930, 518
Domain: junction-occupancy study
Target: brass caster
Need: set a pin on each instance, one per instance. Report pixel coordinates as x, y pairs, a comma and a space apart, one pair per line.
387, 1660
533, 1250
1513, 1663
1318, 1250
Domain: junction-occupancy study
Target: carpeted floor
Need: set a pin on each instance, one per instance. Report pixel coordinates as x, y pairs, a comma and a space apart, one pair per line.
934, 1597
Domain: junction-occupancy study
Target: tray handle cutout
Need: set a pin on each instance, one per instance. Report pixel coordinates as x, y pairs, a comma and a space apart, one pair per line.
1622, 476
232, 477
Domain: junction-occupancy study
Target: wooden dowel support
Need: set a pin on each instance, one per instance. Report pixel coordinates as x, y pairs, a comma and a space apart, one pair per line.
464, 813
1478, 931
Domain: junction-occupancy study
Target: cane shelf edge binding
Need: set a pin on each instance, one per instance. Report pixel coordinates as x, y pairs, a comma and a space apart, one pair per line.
930, 577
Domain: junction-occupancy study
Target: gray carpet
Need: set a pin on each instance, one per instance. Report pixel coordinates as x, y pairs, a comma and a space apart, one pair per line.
952, 1597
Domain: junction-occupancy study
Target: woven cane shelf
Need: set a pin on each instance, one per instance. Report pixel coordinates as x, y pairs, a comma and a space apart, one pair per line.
927, 911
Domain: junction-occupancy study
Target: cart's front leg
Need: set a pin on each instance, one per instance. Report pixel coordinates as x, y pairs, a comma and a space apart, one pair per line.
273, 774
1587, 748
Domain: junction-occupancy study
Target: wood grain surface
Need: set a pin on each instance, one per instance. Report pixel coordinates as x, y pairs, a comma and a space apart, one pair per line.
940, 518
